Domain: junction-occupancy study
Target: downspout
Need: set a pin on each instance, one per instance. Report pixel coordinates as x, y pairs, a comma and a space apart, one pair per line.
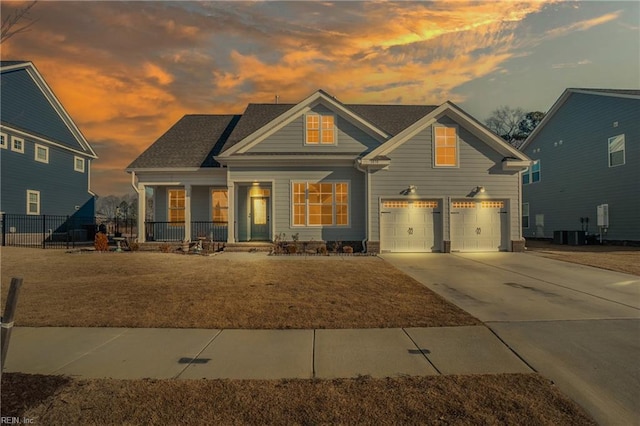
367, 208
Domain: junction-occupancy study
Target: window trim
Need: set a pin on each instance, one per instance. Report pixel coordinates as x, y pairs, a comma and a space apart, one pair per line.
528, 215
35, 153
434, 147
624, 150
13, 147
37, 193
334, 204
75, 164
533, 172
4, 145
320, 129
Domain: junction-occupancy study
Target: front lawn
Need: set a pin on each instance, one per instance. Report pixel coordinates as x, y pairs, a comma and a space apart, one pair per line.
153, 289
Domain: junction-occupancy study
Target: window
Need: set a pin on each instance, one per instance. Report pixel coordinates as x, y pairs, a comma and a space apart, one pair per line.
320, 204
320, 129
525, 215
616, 151
78, 164
41, 153
4, 140
220, 207
445, 147
531, 174
17, 145
33, 202
176, 206
535, 171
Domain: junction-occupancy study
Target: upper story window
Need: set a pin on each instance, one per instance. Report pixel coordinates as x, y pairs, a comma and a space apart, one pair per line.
616, 151
41, 153
320, 129
177, 199
4, 140
525, 215
17, 144
531, 174
320, 203
445, 147
33, 202
78, 164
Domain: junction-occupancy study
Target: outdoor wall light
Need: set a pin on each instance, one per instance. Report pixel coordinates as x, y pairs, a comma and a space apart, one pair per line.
479, 189
412, 189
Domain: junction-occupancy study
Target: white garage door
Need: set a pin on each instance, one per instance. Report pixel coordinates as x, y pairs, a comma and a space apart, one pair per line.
409, 226
478, 226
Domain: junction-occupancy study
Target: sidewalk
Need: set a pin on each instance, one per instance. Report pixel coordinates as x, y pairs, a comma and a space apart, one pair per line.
127, 353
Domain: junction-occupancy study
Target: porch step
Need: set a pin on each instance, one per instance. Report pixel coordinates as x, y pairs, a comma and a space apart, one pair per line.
249, 247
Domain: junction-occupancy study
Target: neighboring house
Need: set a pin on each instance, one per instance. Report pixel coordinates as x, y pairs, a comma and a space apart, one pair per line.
45, 160
586, 153
402, 178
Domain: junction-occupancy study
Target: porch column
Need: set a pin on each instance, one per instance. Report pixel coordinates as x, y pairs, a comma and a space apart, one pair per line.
142, 212
187, 212
231, 224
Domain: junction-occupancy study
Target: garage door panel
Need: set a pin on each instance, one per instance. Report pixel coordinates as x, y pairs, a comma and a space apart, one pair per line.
408, 226
478, 226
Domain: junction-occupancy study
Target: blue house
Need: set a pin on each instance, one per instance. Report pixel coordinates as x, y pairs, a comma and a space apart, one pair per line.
397, 178
45, 159
586, 164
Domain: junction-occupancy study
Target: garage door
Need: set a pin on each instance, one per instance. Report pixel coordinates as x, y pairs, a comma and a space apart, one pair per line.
478, 226
409, 226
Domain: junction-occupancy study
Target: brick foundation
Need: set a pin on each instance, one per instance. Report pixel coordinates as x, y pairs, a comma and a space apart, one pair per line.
446, 246
518, 245
373, 246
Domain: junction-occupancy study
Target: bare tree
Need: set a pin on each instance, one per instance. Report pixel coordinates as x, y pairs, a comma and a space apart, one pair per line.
505, 122
10, 22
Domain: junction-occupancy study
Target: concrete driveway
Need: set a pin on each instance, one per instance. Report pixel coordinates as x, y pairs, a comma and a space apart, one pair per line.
576, 325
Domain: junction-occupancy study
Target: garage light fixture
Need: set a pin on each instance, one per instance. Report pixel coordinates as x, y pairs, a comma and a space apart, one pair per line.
479, 190
412, 189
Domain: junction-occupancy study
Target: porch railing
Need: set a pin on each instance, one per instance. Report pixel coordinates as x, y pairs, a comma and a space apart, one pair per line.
174, 231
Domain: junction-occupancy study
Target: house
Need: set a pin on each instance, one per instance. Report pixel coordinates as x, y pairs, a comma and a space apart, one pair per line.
399, 178
586, 153
45, 159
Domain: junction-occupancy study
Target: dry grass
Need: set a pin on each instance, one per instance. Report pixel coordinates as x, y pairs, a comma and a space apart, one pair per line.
615, 258
145, 289
504, 399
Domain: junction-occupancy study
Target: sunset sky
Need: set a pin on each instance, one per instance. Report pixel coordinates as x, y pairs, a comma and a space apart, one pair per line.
127, 71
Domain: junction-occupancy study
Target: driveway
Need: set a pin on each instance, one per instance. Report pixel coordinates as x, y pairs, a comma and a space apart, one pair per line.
578, 326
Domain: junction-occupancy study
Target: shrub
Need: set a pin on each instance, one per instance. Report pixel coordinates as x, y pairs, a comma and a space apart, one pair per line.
322, 249
347, 249
134, 246
101, 242
165, 247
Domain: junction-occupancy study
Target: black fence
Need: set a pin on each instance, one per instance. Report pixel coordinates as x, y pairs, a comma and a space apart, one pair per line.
174, 231
54, 231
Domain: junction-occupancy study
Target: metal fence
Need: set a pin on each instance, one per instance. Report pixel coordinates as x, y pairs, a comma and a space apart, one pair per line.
55, 231
174, 231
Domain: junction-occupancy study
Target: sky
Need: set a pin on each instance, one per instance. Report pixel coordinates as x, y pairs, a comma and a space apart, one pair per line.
127, 71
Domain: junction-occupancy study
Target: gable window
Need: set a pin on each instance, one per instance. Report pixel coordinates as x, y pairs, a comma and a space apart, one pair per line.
41, 153
220, 205
525, 215
176, 206
445, 147
616, 151
4, 141
33, 202
320, 203
17, 145
320, 129
78, 164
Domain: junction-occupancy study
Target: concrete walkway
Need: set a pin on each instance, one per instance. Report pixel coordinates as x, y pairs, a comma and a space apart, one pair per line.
123, 353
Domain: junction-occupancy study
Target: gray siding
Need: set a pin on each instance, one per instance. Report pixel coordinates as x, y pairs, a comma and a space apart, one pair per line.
290, 139
281, 199
412, 164
61, 188
575, 175
23, 105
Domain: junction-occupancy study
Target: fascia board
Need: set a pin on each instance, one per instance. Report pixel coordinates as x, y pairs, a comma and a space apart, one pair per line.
64, 115
163, 169
46, 141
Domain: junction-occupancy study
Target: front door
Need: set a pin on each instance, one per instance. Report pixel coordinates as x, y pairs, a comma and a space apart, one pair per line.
259, 218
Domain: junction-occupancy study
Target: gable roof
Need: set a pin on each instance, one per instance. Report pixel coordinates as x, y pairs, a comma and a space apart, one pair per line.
28, 105
190, 143
616, 93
